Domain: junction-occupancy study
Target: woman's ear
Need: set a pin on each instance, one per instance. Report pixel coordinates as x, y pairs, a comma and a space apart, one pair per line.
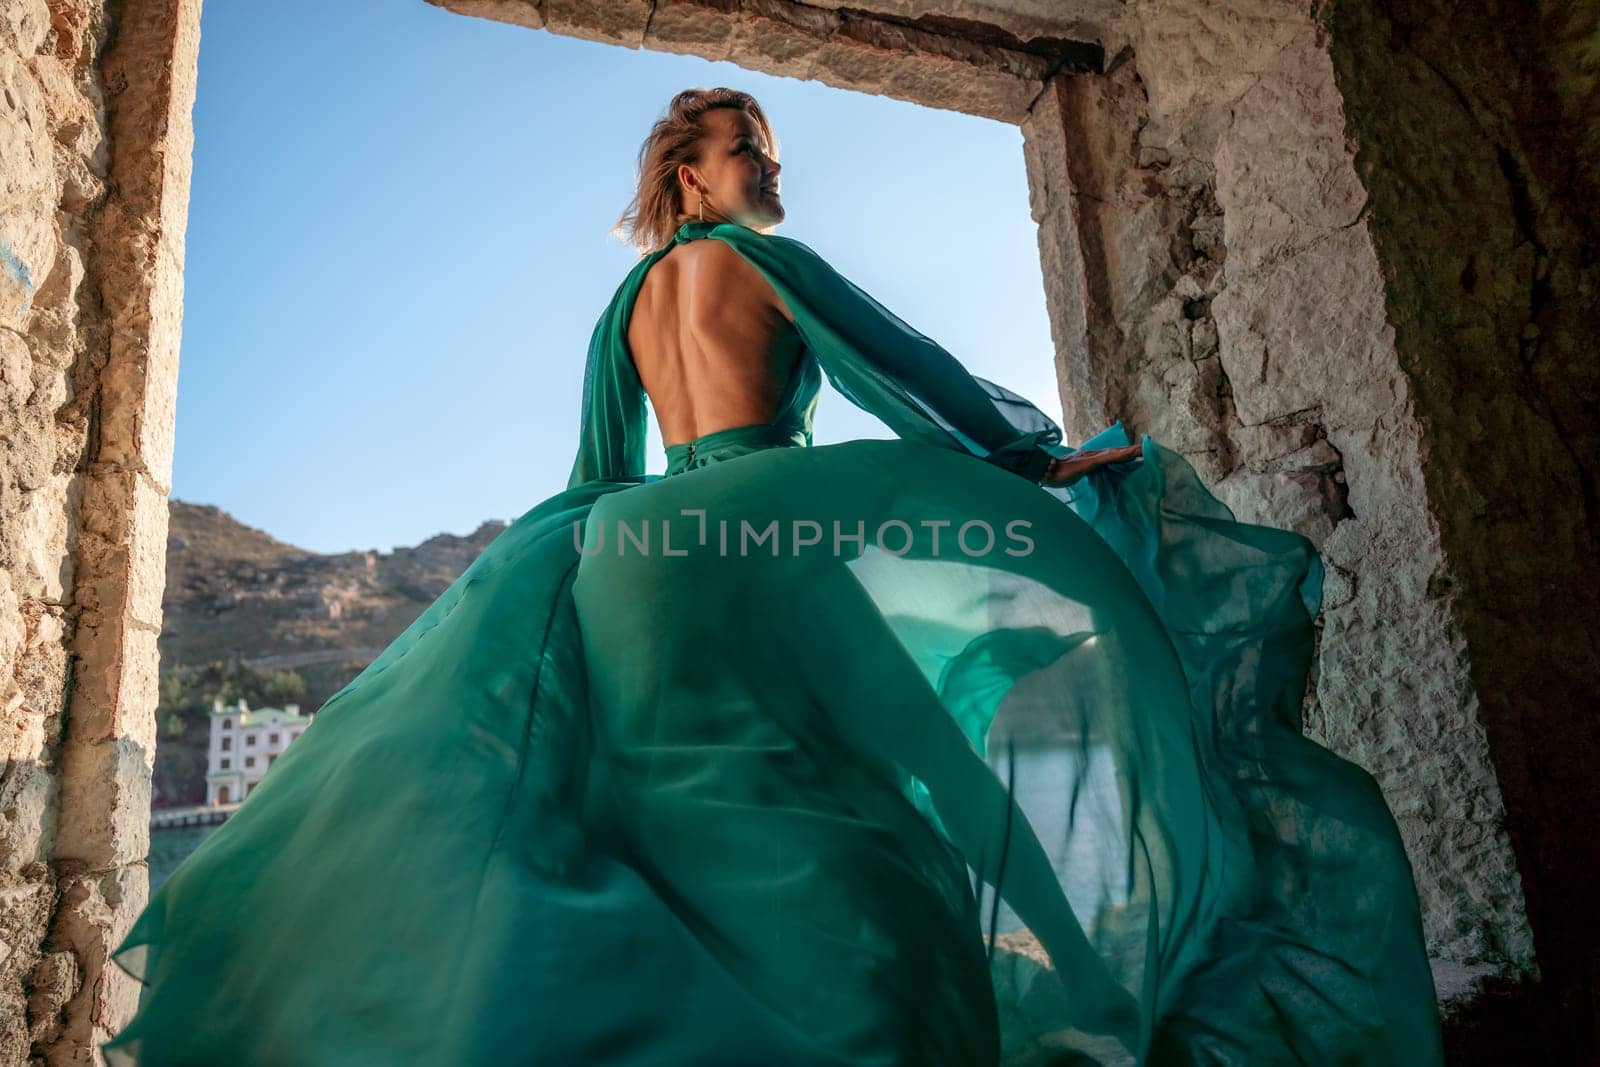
688, 180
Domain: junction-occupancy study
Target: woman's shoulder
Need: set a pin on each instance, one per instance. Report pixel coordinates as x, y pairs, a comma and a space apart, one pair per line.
773, 250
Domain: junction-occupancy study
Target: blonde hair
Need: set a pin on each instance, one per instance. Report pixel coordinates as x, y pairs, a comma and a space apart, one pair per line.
652, 215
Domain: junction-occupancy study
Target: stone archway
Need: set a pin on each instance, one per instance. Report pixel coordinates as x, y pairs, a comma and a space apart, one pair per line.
1248, 252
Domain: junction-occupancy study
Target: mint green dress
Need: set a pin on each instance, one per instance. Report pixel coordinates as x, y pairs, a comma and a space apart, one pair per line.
723, 766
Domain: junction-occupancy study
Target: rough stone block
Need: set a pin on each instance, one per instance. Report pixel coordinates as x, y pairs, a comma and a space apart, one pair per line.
27, 195
105, 770
23, 26
516, 12
97, 909
73, 122
693, 29
619, 22
43, 532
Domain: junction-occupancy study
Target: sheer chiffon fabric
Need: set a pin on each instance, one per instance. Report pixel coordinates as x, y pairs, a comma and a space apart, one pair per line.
722, 766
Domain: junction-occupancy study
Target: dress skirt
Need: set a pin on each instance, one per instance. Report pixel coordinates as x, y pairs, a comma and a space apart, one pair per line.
721, 768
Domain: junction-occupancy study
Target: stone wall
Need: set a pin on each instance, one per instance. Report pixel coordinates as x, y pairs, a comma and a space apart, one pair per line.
1346, 261
1477, 136
95, 137
52, 142
1232, 305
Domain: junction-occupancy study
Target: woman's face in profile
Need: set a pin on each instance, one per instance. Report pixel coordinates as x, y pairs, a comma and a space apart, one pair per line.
740, 177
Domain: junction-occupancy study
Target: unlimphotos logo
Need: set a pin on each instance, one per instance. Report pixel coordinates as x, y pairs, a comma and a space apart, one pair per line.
742, 537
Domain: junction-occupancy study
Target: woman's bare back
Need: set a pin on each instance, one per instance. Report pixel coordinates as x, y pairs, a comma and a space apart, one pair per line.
713, 343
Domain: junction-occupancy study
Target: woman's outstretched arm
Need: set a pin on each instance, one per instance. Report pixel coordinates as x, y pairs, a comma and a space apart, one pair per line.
884, 366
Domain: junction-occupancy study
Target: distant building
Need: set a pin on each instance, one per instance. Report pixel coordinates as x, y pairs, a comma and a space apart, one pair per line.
243, 745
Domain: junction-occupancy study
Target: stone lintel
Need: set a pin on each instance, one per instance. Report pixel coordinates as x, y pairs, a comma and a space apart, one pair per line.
954, 64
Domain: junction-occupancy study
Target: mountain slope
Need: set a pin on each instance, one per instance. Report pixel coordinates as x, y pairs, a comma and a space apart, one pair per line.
238, 595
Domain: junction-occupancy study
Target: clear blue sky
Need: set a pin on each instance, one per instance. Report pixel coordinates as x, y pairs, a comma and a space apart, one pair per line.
399, 245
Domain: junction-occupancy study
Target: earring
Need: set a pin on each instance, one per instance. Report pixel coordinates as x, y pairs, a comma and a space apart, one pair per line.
702, 207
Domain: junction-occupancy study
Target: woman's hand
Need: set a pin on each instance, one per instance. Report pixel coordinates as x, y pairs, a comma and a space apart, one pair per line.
1063, 472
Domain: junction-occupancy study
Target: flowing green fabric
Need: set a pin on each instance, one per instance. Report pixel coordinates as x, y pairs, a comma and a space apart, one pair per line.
718, 767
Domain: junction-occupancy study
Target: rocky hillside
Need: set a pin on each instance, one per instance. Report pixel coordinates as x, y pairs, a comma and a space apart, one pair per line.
237, 595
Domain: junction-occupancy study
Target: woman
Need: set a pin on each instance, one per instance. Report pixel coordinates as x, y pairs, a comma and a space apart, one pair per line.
691, 769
